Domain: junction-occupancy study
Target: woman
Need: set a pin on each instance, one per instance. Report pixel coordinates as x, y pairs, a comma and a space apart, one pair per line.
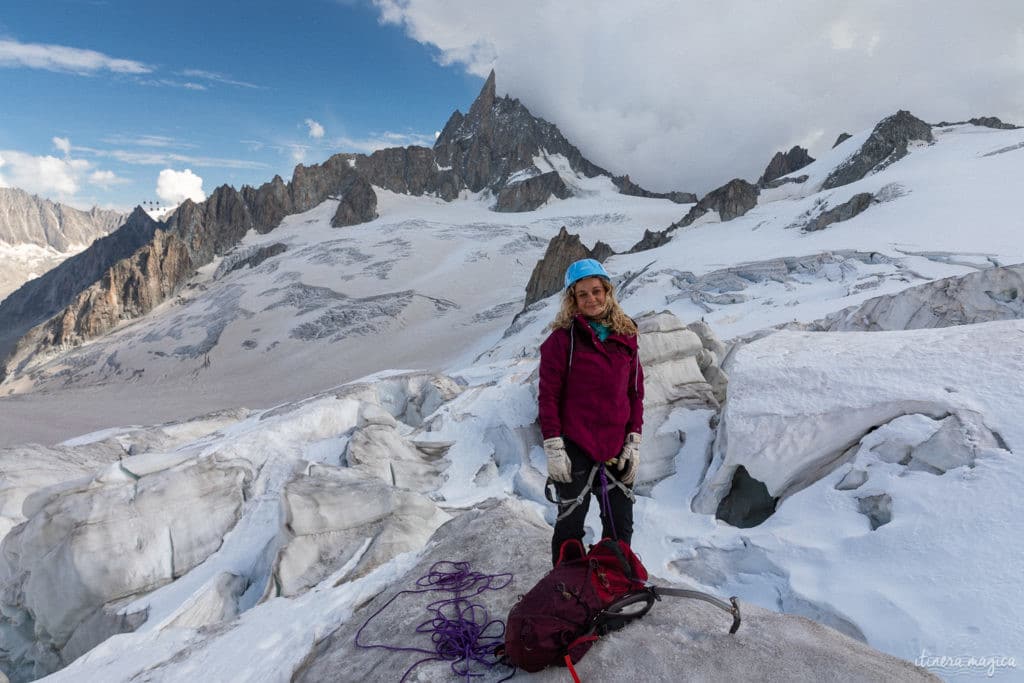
591, 408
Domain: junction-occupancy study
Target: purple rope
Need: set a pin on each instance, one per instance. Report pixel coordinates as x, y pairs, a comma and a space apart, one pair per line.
606, 505
460, 629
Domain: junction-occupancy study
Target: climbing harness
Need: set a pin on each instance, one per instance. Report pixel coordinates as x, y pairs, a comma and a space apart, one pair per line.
551, 492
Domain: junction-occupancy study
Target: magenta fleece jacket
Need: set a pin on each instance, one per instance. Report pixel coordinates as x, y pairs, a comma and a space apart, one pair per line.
597, 400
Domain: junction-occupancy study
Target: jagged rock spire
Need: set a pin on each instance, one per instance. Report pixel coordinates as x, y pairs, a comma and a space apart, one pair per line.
484, 102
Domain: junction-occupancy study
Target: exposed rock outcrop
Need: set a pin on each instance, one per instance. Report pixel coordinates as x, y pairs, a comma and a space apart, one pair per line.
784, 164
812, 651
42, 298
887, 144
627, 186
985, 121
548, 275
731, 200
843, 137
844, 212
498, 138
532, 193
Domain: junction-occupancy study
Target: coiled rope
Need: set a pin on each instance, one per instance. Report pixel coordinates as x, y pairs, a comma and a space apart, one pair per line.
460, 629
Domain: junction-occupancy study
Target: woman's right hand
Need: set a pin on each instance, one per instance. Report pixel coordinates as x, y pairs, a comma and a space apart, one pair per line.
559, 467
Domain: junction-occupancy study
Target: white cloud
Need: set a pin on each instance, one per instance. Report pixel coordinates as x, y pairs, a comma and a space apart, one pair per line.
384, 140
171, 158
63, 58
46, 176
218, 78
63, 145
298, 153
106, 179
316, 131
174, 187
688, 95
145, 140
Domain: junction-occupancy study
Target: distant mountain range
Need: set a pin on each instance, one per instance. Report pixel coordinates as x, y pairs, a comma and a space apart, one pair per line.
498, 147
498, 152
36, 234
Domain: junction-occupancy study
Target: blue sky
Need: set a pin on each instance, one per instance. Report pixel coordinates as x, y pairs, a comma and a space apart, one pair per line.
233, 91
105, 101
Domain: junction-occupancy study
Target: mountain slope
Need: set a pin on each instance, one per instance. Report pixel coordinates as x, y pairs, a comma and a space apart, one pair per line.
37, 234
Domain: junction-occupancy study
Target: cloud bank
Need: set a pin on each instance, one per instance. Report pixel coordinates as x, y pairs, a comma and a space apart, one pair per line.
689, 95
46, 176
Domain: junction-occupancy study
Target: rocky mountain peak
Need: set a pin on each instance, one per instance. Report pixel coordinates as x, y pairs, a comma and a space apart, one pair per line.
886, 145
484, 102
784, 163
498, 139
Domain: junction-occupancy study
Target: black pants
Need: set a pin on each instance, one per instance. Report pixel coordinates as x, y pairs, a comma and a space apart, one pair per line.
572, 525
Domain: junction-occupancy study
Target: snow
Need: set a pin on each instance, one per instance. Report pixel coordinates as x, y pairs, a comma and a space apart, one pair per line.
825, 420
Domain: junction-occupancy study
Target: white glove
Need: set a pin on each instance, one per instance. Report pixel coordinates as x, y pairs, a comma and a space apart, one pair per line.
629, 459
559, 468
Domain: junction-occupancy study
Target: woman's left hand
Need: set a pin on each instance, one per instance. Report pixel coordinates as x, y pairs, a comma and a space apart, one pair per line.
629, 459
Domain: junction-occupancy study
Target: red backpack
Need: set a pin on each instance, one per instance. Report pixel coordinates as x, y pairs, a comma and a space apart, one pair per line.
579, 600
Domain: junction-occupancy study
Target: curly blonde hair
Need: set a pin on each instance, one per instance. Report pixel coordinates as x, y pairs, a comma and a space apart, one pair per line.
614, 318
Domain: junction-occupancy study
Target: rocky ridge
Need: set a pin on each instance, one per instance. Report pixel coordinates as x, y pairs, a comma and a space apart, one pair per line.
28, 219
144, 262
887, 144
730, 201
784, 163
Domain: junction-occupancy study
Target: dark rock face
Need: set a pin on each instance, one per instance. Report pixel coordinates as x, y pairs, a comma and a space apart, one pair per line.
843, 137
531, 193
42, 298
269, 204
409, 170
651, 240
784, 164
731, 200
886, 145
844, 212
548, 275
498, 138
358, 203
132, 287
986, 121
628, 187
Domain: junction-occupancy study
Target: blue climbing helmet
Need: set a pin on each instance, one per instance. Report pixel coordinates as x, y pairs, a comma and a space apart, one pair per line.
583, 269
